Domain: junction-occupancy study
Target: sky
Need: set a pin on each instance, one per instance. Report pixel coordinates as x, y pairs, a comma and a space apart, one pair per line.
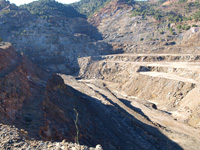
20, 2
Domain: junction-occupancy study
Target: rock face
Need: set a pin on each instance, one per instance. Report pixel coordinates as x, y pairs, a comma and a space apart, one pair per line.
115, 23
31, 99
118, 27
123, 101
132, 33
17, 78
190, 38
58, 46
43, 105
56, 43
168, 83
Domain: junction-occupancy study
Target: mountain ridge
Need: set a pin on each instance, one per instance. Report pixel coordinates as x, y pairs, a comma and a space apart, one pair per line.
135, 68
59, 36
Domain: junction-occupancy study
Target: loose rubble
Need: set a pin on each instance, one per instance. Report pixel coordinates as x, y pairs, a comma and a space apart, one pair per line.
14, 138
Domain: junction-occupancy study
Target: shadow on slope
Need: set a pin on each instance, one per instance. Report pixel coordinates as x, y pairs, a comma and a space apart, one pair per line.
50, 116
52, 36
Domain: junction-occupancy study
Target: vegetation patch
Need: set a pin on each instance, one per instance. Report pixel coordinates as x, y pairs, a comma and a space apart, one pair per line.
46, 9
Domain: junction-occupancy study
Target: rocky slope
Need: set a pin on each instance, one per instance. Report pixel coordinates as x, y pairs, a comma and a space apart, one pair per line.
42, 105
17, 81
134, 30
53, 43
13, 138
24, 102
163, 87
54, 35
124, 101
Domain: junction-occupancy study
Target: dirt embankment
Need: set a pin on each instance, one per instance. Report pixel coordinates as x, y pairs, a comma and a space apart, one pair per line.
168, 81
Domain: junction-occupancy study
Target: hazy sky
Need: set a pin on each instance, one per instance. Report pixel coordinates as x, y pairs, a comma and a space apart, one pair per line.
20, 2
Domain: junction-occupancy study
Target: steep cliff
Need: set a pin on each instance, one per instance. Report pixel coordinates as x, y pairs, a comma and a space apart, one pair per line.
18, 78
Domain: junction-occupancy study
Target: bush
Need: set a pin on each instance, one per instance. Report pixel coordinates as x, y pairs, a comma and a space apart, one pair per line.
89, 7
194, 25
162, 32
179, 26
174, 16
196, 16
171, 30
47, 8
173, 33
186, 27
182, 1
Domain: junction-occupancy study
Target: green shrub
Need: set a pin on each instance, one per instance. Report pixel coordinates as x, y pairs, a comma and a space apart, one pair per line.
174, 16
171, 30
173, 33
186, 27
179, 26
47, 8
89, 7
194, 25
196, 16
162, 32
182, 1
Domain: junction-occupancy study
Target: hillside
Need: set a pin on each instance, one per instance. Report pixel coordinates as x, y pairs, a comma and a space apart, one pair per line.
42, 105
88, 7
129, 26
120, 73
49, 37
27, 108
144, 26
47, 9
